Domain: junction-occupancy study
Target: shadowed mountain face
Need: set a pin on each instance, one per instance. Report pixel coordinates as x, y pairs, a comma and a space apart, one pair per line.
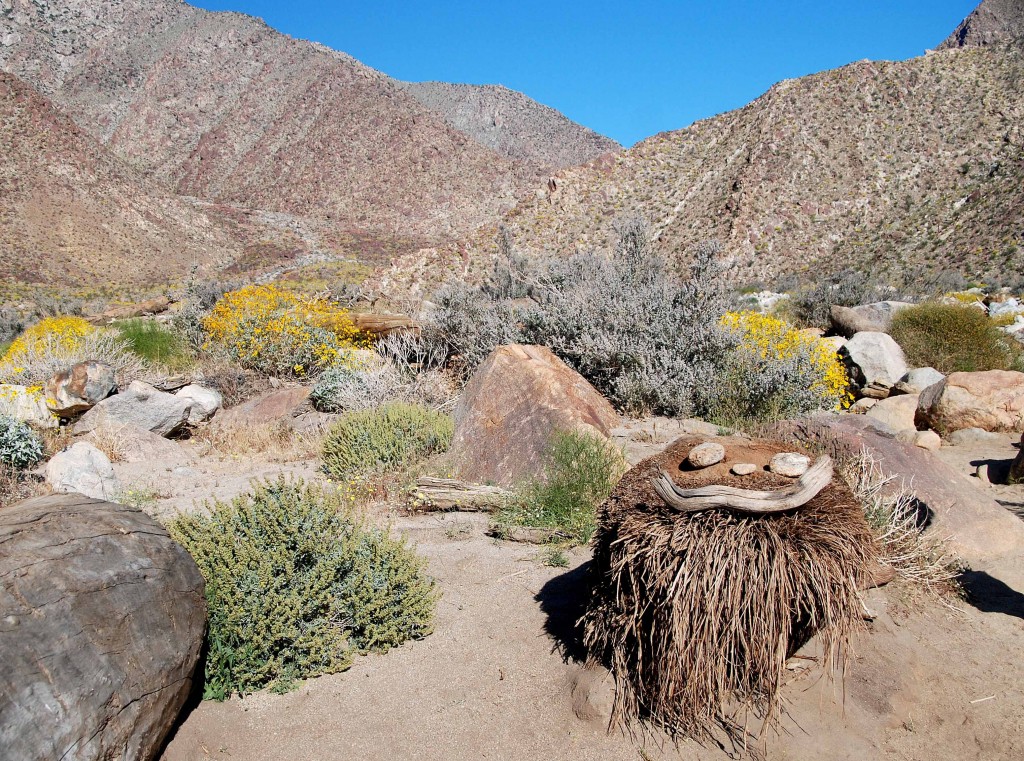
220, 106
991, 23
73, 215
512, 124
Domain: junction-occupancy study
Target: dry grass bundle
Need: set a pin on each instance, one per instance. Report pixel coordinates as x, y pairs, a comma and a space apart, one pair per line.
695, 614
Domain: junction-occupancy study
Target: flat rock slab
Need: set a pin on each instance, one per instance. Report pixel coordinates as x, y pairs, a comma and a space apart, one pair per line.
282, 404
103, 619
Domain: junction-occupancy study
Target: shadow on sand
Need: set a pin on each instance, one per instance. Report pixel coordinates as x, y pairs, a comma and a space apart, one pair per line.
564, 600
989, 595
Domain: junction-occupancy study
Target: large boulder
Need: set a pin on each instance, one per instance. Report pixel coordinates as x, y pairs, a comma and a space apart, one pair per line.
980, 530
26, 405
80, 387
103, 620
918, 379
137, 445
516, 400
896, 412
874, 358
82, 469
140, 406
282, 404
205, 402
874, 318
992, 400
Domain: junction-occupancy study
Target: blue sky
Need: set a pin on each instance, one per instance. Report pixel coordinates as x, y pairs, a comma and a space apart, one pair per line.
626, 69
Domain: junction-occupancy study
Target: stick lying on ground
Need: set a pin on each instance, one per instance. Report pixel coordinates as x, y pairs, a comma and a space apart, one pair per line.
809, 485
446, 494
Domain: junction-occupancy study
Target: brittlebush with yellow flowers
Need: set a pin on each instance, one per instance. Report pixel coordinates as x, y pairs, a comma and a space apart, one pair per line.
273, 331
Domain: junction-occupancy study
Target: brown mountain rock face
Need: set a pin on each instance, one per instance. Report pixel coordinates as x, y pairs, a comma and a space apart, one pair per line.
992, 22
72, 214
220, 106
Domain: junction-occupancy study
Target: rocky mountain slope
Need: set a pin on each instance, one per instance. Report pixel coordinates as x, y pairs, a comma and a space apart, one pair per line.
992, 22
72, 214
224, 108
512, 124
901, 169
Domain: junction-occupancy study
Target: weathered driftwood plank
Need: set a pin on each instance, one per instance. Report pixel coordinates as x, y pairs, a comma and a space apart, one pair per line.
383, 324
449, 494
807, 487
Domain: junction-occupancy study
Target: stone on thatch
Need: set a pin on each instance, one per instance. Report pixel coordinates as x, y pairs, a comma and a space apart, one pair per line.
695, 613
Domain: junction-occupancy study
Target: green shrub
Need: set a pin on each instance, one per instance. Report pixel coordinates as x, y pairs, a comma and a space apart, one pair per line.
20, 447
953, 338
384, 437
153, 342
296, 584
580, 471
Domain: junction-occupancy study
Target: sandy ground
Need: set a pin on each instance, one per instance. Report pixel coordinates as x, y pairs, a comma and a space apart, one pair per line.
495, 680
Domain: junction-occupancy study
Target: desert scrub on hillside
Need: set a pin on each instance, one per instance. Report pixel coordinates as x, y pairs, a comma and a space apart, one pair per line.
811, 305
270, 330
20, 447
154, 343
296, 583
953, 338
774, 372
580, 471
645, 338
383, 438
56, 343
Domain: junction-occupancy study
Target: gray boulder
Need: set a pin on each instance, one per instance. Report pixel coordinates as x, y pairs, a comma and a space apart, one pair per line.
80, 388
896, 412
875, 318
206, 402
103, 619
141, 406
82, 469
918, 379
874, 358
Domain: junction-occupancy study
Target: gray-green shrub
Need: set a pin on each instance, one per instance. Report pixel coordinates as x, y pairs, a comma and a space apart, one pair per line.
296, 584
384, 437
20, 446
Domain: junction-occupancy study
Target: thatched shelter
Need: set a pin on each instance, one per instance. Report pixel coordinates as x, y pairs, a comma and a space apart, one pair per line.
696, 613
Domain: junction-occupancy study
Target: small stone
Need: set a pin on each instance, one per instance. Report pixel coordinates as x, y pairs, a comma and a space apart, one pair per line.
861, 406
743, 468
929, 440
876, 391
789, 464
706, 454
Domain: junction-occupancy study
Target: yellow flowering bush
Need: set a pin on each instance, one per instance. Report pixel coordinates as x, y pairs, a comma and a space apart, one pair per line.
775, 371
271, 330
53, 333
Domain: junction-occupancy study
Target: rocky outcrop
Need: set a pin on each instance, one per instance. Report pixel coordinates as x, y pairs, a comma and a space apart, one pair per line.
80, 388
875, 359
517, 399
82, 469
140, 406
103, 622
991, 23
25, 405
991, 400
876, 318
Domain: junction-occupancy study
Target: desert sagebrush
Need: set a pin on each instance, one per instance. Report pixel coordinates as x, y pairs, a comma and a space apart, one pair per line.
384, 437
296, 583
20, 447
953, 338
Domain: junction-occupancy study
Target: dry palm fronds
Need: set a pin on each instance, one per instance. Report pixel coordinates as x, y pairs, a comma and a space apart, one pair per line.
696, 613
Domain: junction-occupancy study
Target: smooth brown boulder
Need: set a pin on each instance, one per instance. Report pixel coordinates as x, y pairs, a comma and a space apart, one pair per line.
281, 404
877, 317
80, 387
979, 529
517, 399
992, 400
103, 620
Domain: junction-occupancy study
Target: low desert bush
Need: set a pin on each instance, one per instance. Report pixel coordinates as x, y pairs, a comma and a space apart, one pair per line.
12, 323
580, 471
20, 447
364, 384
17, 484
383, 438
774, 372
154, 343
273, 331
296, 583
645, 338
56, 343
953, 338
811, 305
